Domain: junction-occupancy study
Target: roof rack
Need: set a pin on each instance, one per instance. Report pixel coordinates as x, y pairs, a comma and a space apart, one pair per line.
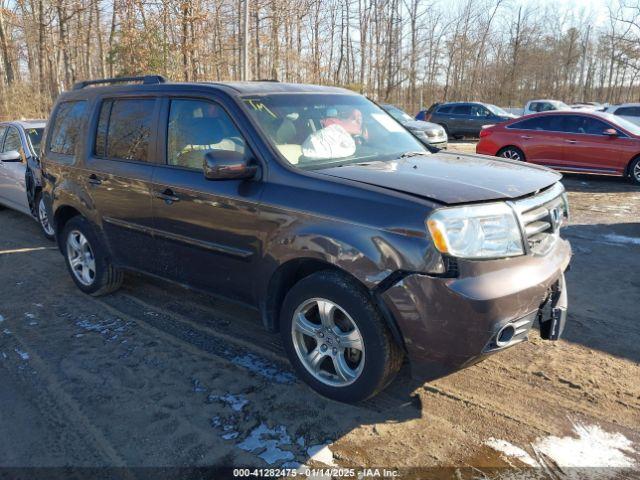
145, 79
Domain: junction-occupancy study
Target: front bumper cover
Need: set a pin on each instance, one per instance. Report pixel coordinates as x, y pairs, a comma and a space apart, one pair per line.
450, 323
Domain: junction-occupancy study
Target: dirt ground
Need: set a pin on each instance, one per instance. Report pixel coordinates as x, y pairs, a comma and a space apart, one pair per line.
156, 375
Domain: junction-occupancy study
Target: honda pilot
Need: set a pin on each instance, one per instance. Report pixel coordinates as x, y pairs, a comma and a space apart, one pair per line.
317, 208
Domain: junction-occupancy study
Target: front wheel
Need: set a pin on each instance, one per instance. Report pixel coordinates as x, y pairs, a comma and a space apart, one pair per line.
634, 171
43, 217
87, 260
512, 153
336, 339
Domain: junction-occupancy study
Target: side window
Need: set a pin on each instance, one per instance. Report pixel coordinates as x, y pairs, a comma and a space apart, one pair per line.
479, 111
197, 127
12, 141
67, 127
584, 125
538, 123
462, 110
3, 129
124, 129
534, 107
445, 109
628, 111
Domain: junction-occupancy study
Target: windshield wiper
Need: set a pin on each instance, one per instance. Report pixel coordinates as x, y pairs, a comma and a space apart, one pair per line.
412, 154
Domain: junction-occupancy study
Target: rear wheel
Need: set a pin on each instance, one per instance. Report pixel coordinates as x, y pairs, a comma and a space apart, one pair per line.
634, 171
87, 260
43, 217
512, 153
336, 339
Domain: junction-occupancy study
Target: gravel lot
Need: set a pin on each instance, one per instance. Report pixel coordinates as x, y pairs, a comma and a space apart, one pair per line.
156, 375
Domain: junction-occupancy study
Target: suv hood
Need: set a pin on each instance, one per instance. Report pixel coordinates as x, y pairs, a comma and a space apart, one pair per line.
451, 178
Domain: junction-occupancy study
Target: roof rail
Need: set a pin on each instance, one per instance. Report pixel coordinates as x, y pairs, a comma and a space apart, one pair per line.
145, 79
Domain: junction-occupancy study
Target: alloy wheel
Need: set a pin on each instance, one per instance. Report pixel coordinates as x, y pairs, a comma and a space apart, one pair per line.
328, 342
81, 258
512, 154
636, 172
44, 218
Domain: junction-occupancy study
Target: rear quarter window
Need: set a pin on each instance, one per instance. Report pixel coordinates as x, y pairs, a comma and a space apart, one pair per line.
67, 126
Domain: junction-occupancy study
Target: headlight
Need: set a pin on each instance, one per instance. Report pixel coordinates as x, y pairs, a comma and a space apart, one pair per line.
476, 231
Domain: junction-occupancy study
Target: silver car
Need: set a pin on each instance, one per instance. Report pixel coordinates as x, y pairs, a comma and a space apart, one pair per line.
20, 176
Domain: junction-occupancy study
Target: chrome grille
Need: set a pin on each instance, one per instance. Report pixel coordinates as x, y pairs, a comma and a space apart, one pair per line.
541, 217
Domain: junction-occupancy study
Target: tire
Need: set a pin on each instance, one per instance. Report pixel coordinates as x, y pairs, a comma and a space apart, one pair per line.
634, 171
94, 274
367, 369
43, 218
512, 153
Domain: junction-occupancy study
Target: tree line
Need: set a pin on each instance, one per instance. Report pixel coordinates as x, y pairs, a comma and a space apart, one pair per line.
409, 52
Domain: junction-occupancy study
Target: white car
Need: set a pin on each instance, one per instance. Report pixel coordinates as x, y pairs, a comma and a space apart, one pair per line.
628, 111
536, 106
20, 175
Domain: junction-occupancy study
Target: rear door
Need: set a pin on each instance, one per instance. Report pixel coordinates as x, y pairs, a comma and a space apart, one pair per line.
207, 231
587, 148
14, 182
461, 119
539, 138
118, 176
479, 116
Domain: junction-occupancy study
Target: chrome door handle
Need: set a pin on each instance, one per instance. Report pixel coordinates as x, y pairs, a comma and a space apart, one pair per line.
94, 180
571, 141
168, 196
526, 137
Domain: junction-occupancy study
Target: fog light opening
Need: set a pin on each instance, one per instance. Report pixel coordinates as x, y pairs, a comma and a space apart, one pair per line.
505, 335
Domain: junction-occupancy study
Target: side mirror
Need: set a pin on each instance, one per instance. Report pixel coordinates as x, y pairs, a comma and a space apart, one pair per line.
611, 132
11, 156
228, 165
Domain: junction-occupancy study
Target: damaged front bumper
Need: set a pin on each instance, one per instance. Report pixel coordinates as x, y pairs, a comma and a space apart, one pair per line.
450, 323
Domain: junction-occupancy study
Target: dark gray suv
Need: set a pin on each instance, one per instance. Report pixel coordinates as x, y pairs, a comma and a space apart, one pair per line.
315, 207
466, 119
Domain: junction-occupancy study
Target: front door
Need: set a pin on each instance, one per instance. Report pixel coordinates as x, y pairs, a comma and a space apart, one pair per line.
587, 148
118, 175
14, 189
206, 231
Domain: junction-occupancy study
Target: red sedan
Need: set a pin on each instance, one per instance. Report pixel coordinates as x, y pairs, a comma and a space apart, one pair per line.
578, 142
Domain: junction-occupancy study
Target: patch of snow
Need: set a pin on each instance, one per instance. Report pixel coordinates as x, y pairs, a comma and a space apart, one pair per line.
268, 441
29, 315
622, 239
23, 355
236, 402
6, 331
322, 453
230, 435
39, 305
264, 368
589, 447
511, 450
593, 447
1, 319
300, 441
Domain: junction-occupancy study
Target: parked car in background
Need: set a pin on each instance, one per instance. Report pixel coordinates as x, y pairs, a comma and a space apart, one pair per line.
461, 119
628, 111
599, 107
429, 133
537, 106
314, 206
20, 177
572, 141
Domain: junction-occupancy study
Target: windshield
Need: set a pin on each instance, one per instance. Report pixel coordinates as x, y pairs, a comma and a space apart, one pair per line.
324, 130
35, 136
628, 125
398, 114
497, 110
560, 105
